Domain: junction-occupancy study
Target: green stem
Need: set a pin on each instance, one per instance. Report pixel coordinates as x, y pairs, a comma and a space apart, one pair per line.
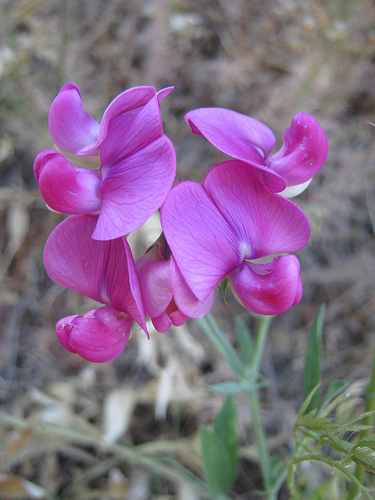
333, 463
368, 420
217, 337
259, 344
250, 377
257, 421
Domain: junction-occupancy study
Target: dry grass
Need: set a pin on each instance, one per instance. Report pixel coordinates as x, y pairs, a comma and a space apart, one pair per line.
266, 59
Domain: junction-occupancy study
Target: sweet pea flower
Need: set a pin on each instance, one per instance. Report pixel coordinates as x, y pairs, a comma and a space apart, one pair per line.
223, 228
103, 271
289, 170
167, 298
76, 134
137, 161
99, 336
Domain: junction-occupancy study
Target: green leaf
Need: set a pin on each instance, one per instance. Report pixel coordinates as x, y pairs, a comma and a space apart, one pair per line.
224, 285
219, 340
244, 340
313, 372
334, 389
231, 388
225, 427
306, 403
220, 450
368, 441
216, 461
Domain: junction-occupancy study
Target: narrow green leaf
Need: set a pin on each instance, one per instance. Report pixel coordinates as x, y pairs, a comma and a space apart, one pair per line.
219, 340
230, 388
224, 285
216, 461
244, 340
334, 389
225, 427
368, 441
313, 373
358, 417
305, 405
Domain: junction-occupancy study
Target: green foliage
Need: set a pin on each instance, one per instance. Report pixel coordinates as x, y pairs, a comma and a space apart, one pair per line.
220, 450
244, 340
313, 372
316, 428
222, 344
334, 389
230, 388
224, 286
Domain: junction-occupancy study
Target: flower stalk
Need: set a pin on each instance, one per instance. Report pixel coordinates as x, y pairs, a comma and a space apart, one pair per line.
248, 375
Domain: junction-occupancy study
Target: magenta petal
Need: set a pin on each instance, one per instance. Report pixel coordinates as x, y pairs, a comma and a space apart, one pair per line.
156, 282
239, 136
102, 270
63, 329
162, 323
233, 133
178, 318
124, 109
265, 223
133, 189
304, 150
70, 126
267, 288
202, 242
129, 133
121, 281
98, 336
186, 301
162, 94
299, 293
65, 188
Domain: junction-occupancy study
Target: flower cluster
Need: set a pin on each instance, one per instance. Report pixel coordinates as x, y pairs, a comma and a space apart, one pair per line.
111, 177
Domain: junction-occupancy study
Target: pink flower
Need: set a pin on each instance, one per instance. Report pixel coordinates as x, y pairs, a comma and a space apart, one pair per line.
99, 336
167, 298
290, 170
104, 271
75, 133
137, 161
224, 226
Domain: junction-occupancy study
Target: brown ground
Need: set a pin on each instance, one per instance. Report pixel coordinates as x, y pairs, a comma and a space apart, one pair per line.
262, 58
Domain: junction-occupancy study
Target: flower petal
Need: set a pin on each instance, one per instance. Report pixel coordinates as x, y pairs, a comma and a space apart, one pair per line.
156, 282
186, 301
70, 126
102, 270
99, 336
178, 318
130, 132
303, 153
265, 223
65, 188
172, 316
162, 93
239, 136
125, 108
162, 323
233, 133
133, 189
268, 288
202, 242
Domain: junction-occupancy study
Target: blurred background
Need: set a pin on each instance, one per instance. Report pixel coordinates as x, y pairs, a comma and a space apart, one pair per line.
266, 59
